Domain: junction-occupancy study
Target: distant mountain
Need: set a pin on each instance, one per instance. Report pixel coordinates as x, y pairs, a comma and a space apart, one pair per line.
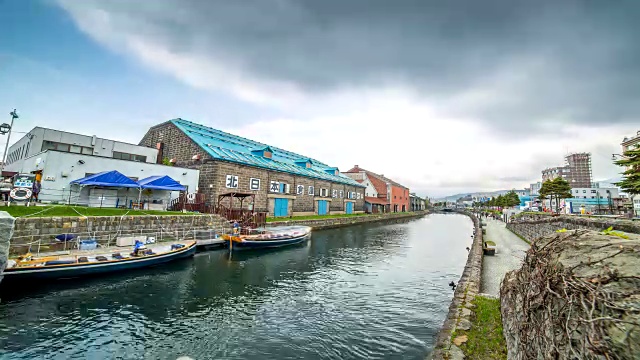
609, 181
489, 193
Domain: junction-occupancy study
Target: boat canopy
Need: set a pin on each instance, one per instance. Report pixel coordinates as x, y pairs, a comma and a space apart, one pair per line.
107, 179
160, 182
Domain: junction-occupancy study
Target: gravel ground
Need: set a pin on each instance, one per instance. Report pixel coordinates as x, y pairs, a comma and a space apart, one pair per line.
510, 251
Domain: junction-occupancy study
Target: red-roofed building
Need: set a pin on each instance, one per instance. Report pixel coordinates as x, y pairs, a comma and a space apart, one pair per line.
382, 194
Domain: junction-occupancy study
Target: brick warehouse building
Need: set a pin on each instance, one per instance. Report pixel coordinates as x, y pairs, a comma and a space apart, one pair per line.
284, 183
381, 194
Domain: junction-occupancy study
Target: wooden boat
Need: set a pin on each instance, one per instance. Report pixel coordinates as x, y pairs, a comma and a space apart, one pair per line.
100, 261
269, 238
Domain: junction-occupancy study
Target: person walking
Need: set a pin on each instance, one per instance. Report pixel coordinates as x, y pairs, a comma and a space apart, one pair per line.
35, 191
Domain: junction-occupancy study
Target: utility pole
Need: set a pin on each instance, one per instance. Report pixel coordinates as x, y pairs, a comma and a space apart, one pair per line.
3, 129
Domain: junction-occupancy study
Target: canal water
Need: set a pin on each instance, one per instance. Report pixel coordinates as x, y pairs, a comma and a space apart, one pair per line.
363, 292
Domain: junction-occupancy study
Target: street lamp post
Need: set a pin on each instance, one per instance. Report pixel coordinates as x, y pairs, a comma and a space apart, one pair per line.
6, 129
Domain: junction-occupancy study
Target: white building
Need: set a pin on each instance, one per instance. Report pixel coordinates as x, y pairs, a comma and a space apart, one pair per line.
595, 193
534, 189
60, 157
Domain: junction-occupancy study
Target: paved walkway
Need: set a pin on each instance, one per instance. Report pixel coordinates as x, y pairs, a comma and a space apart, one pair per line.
510, 251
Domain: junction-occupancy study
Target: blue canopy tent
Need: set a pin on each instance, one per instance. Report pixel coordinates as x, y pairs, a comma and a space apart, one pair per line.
112, 178
107, 179
159, 182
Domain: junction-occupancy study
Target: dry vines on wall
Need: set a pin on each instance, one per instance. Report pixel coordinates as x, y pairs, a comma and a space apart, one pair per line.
577, 296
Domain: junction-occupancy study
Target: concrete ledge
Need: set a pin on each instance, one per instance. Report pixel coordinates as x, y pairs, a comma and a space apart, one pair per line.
460, 308
330, 223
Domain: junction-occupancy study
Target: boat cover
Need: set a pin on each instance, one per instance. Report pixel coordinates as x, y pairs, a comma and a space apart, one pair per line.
159, 182
107, 179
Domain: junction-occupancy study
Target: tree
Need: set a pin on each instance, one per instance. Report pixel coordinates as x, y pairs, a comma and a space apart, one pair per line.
562, 190
546, 191
167, 161
511, 199
631, 176
557, 189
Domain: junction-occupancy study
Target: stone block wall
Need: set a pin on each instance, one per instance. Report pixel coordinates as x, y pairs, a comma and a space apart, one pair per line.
537, 227
30, 232
6, 231
177, 145
459, 313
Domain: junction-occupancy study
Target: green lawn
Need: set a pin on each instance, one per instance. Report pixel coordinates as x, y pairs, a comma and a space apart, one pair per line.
313, 217
64, 210
485, 339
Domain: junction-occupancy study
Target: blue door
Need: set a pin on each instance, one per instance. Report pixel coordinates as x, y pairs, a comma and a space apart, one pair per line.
281, 207
349, 209
322, 207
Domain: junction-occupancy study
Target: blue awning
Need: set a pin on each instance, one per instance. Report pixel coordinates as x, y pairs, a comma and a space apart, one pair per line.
160, 182
107, 179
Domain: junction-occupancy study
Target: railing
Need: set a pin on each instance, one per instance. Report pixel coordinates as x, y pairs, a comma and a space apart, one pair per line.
21, 245
197, 203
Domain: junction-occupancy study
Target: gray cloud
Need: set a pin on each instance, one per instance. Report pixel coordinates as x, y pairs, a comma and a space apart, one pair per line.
541, 62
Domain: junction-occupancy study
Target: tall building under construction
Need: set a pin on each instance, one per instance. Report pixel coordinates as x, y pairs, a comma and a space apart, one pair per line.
577, 171
579, 166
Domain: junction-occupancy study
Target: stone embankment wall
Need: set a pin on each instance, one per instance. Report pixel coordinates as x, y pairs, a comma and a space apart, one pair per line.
30, 233
460, 309
532, 228
318, 224
577, 296
6, 231
34, 232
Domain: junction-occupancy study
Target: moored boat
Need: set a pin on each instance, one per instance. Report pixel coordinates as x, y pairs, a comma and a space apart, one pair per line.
83, 263
269, 238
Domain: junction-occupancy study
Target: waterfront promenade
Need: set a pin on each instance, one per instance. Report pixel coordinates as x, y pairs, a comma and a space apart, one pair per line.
509, 255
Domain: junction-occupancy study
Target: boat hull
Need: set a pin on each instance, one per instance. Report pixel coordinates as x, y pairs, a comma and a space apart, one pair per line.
267, 244
17, 275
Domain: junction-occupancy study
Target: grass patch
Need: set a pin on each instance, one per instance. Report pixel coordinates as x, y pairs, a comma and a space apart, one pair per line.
64, 210
485, 339
314, 217
490, 243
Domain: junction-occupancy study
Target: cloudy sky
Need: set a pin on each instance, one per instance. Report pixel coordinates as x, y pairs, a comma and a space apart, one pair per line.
444, 96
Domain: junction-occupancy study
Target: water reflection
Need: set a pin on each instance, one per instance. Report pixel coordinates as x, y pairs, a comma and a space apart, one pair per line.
374, 291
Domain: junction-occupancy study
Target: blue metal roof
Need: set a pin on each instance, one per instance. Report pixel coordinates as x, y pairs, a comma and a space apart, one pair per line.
228, 147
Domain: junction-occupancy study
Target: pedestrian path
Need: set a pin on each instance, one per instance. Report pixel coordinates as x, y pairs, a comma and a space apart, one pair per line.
510, 251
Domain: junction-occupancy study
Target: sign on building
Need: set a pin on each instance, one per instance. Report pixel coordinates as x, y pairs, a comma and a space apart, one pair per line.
232, 181
274, 186
254, 184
